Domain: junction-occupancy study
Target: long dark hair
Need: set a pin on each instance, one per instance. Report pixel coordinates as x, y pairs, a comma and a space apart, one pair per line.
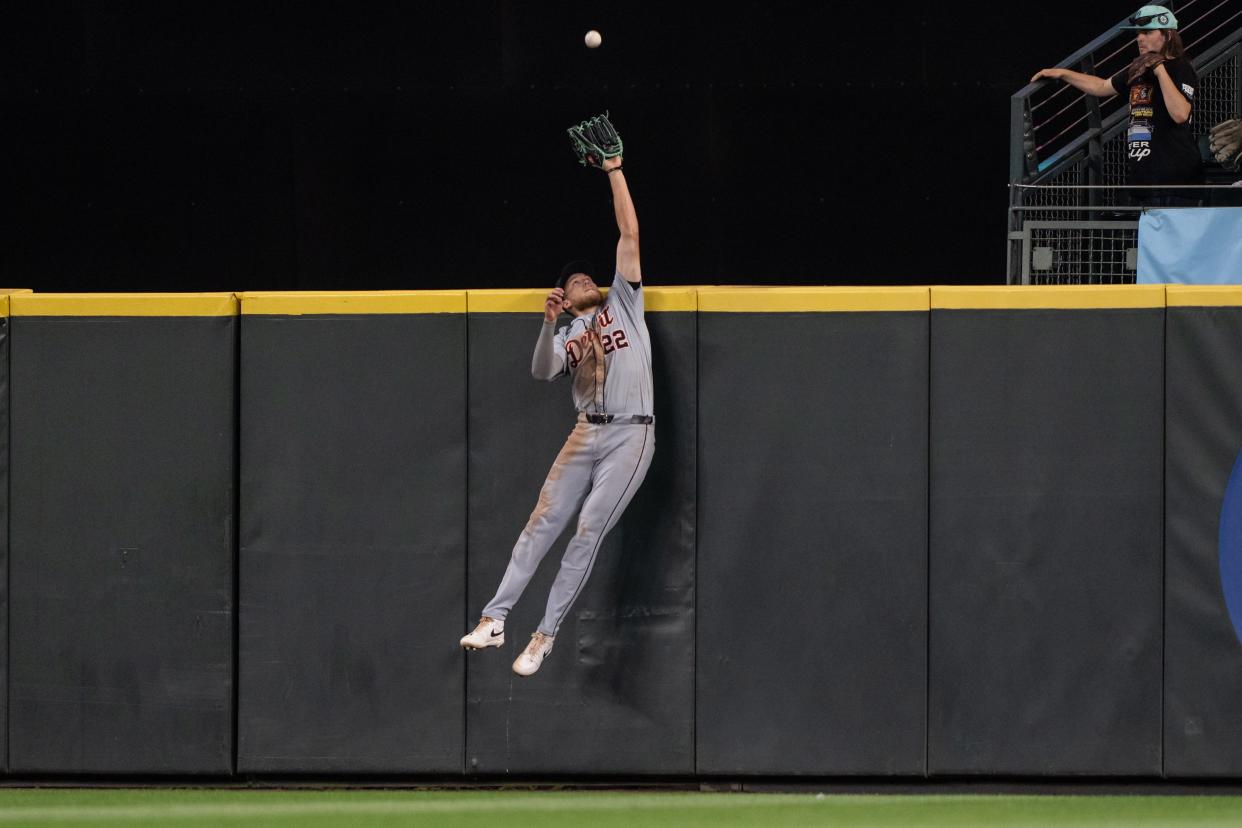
1173, 47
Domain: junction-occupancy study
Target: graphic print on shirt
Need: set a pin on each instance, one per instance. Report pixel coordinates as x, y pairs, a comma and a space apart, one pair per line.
1138, 137
607, 355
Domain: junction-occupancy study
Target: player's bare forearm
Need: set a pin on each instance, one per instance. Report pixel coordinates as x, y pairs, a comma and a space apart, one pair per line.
628, 263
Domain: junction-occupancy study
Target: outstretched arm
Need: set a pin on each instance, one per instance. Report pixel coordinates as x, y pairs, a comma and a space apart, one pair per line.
1092, 85
628, 264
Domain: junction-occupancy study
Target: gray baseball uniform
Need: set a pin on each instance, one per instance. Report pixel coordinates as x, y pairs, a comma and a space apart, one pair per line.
602, 464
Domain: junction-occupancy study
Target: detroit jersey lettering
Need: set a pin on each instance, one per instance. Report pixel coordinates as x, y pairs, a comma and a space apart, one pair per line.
608, 354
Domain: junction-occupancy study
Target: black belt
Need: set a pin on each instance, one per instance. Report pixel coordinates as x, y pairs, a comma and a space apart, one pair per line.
633, 419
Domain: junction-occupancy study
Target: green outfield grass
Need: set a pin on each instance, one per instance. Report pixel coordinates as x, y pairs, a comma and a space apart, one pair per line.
548, 809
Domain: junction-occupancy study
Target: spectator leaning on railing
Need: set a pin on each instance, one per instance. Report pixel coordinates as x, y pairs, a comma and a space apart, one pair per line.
1162, 82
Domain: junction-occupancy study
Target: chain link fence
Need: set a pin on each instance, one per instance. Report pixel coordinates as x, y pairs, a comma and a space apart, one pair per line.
1079, 252
1219, 96
1069, 234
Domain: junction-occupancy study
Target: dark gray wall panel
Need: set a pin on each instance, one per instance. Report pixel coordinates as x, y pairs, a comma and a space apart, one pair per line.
1046, 542
122, 533
4, 538
352, 560
617, 693
1203, 659
813, 543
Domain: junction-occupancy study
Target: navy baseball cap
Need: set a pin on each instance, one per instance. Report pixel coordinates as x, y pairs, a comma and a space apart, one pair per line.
576, 266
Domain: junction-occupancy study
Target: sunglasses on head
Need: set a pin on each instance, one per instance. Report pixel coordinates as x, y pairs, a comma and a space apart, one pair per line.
1161, 18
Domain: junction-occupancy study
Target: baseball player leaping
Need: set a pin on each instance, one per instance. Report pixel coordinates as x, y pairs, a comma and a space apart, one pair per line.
605, 348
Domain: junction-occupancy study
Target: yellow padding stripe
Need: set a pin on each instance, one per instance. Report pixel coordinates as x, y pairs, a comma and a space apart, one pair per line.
5, 293
1204, 296
670, 299
655, 299
811, 299
1032, 297
310, 302
525, 300
123, 304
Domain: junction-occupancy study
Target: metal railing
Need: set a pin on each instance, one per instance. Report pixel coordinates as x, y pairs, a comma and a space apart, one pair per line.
1067, 157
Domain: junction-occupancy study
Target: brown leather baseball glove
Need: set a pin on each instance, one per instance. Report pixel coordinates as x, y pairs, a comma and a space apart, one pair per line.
1142, 64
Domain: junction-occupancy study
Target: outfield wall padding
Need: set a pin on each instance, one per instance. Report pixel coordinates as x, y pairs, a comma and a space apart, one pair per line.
1046, 532
352, 556
812, 533
887, 532
122, 534
1203, 657
617, 694
4, 535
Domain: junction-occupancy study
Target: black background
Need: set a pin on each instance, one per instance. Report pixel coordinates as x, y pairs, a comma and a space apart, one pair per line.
246, 146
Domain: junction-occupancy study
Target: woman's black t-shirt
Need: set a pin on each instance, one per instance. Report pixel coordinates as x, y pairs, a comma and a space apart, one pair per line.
1160, 150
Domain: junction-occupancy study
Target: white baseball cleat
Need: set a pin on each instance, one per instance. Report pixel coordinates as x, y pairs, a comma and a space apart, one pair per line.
539, 648
489, 633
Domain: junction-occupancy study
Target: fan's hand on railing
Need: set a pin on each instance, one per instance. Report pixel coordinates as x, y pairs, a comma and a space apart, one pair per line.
1052, 74
1092, 85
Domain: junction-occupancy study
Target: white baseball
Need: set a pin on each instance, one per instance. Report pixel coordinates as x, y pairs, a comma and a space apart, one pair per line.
593, 39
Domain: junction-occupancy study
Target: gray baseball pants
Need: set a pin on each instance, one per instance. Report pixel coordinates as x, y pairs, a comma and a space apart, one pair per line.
599, 469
